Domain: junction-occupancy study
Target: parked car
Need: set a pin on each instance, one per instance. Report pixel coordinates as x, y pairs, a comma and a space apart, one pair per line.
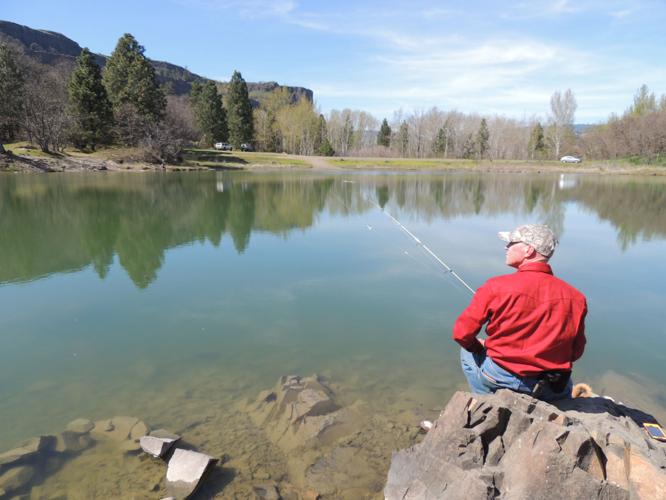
570, 159
246, 146
223, 146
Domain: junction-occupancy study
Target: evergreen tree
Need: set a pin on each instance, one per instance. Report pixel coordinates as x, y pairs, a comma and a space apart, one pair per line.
209, 112
403, 139
239, 114
468, 147
129, 78
322, 145
537, 143
482, 139
12, 91
439, 146
384, 135
89, 105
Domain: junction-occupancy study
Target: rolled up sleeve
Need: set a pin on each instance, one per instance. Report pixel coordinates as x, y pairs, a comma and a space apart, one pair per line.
469, 323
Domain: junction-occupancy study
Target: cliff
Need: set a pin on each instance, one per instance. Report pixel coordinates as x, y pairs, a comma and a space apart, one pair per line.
48, 47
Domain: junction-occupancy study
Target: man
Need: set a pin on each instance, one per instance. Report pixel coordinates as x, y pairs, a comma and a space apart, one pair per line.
535, 323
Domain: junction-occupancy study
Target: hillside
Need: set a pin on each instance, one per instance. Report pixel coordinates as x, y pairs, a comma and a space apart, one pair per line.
48, 47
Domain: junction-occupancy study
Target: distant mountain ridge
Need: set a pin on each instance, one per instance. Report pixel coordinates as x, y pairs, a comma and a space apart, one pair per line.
49, 47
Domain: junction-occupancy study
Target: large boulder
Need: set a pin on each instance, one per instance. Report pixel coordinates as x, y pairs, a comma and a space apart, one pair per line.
513, 446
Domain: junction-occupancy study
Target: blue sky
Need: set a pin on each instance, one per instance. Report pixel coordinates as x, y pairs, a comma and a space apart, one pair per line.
489, 57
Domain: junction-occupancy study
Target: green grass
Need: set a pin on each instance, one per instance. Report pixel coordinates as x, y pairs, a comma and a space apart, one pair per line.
213, 158
25, 149
398, 162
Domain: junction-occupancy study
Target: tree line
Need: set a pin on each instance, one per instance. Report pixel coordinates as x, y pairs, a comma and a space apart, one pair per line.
123, 104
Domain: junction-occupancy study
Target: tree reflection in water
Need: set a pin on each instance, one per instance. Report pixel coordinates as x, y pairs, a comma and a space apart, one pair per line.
53, 224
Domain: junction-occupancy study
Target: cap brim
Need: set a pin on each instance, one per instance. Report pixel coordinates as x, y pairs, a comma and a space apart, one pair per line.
504, 236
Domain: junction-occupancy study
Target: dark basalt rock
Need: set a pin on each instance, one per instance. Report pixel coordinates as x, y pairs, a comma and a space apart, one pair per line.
512, 446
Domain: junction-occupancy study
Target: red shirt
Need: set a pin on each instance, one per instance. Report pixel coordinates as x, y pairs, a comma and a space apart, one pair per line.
536, 322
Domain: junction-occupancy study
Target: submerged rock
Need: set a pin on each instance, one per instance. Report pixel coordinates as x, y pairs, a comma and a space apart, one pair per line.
512, 446
72, 442
27, 449
184, 472
126, 431
15, 478
80, 426
296, 410
266, 491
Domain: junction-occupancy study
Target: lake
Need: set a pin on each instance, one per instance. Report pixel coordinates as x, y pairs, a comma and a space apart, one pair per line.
177, 297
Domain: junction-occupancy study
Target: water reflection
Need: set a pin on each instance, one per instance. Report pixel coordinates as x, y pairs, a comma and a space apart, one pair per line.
55, 224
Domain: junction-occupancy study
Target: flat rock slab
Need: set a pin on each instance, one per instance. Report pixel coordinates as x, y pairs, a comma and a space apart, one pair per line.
184, 472
156, 446
80, 426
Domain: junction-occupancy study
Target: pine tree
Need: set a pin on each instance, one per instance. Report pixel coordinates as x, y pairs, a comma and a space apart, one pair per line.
403, 139
384, 135
537, 143
439, 146
89, 105
239, 111
12, 91
129, 78
482, 139
209, 112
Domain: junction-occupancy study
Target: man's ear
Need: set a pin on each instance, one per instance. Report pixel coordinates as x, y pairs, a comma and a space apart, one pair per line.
530, 252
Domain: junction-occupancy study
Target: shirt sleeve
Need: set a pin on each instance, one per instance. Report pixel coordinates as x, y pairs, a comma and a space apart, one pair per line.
469, 323
579, 339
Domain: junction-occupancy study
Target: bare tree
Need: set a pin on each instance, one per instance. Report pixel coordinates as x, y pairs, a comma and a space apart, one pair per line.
45, 118
563, 109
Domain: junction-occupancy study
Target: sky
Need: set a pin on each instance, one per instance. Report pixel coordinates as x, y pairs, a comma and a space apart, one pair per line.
475, 56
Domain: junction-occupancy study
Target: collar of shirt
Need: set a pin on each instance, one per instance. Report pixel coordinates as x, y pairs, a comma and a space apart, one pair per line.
539, 267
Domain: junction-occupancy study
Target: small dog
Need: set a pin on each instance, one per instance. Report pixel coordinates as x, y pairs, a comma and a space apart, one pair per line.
582, 390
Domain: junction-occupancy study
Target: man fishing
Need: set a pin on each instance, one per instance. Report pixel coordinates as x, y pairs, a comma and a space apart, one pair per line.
535, 323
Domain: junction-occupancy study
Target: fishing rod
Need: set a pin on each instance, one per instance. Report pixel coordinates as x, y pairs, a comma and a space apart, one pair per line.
425, 247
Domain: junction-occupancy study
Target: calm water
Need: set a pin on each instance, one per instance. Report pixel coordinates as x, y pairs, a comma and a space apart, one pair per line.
170, 296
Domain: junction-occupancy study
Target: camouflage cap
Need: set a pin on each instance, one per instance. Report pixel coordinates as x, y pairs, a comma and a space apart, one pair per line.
538, 236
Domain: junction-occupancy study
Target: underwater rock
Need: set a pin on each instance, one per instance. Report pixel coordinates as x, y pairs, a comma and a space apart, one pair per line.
158, 442
184, 472
101, 427
266, 491
482, 446
120, 429
295, 411
15, 478
80, 426
72, 442
27, 449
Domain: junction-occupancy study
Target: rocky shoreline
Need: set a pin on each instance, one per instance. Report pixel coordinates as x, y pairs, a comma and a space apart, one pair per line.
506, 445
512, 446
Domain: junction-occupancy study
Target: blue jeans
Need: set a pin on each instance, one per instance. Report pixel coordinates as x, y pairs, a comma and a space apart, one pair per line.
484, 376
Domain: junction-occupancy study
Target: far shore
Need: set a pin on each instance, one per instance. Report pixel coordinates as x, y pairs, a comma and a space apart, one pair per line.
29, 159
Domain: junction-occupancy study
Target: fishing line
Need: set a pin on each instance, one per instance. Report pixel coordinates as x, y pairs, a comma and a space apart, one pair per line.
424, 247
420, 243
